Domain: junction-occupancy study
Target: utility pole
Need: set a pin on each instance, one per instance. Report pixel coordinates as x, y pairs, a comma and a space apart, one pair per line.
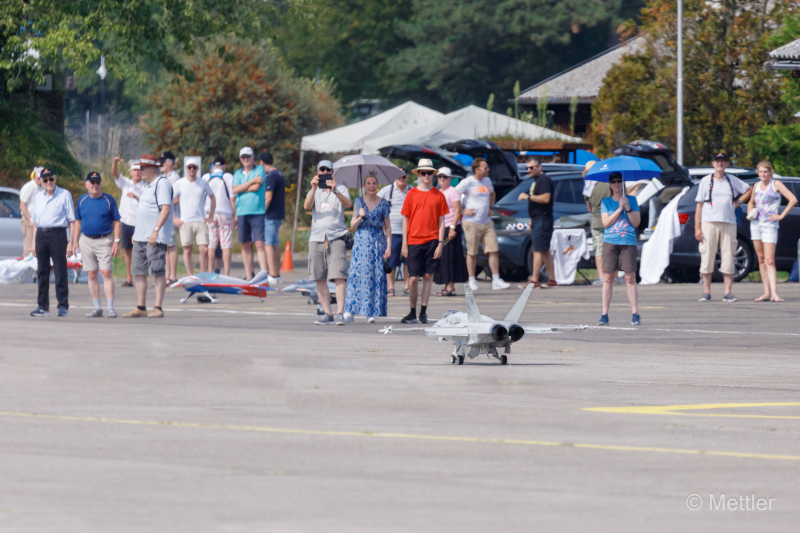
680, 82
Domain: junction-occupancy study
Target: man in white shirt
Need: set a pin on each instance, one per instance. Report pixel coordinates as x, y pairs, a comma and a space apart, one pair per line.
26, 196
220, 229
167, 161
718, 196
129, 201
395, 194
478, 227
190, 195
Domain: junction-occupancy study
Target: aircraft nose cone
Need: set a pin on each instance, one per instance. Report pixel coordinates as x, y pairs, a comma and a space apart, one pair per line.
499, 333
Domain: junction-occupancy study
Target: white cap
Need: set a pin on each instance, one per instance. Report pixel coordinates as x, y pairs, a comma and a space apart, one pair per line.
246, 151
191, 160
446, 171
136, 166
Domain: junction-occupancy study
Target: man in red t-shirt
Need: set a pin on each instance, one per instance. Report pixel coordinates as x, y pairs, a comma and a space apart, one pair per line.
423, 234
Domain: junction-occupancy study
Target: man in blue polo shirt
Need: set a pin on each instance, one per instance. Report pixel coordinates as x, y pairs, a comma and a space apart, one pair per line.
97, 216
248, 186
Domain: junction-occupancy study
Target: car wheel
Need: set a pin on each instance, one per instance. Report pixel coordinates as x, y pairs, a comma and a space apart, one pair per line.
742, 261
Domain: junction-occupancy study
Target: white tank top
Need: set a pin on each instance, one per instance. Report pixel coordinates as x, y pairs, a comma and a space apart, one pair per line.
767, 202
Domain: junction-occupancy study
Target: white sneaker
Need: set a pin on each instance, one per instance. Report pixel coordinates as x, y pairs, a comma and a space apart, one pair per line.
499, 284
273, 281
473, 284
279, 280
370, 320
348, 317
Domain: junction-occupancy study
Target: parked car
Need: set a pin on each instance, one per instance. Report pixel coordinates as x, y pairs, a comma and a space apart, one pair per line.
511, 220
685, 259
11, 243
522, 168
414, 152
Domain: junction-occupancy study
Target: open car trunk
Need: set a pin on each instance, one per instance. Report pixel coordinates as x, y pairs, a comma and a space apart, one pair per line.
503, 169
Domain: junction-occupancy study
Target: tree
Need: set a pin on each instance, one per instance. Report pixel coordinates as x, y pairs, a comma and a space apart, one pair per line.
465, 50
780, 143
241, 95
728, 94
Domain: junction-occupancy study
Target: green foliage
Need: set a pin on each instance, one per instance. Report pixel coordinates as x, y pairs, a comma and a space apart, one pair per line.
728, 94
490, 102
243, 96
780, 143
74, 33
23, 145
573, 108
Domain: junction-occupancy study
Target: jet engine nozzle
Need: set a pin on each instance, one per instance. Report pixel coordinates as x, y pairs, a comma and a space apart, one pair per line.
515, 332
499, 333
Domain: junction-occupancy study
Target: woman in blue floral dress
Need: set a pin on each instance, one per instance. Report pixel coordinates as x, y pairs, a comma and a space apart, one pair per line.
366, 282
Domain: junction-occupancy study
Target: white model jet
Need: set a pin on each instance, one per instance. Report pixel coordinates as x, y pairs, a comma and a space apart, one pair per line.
473, 333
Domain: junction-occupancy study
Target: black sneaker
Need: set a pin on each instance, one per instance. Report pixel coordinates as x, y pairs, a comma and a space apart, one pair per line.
326, 320
423, 318
40, 312
410, 318
706, 298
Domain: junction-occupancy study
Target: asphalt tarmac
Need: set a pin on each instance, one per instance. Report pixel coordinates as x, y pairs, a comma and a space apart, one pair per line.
244, 416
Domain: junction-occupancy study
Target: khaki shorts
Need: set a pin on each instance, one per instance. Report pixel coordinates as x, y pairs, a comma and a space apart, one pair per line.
28, 246
597, 241
480, 233
194, 233
325, 265
718, 236
96, 253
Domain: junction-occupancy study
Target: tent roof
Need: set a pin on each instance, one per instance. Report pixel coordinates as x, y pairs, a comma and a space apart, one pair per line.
352, 137
583, 80
469, 123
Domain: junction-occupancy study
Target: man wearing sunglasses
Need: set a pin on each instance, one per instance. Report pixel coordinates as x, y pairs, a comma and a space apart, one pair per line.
53, 212
190, 195
248, 186
97, 217
540, 208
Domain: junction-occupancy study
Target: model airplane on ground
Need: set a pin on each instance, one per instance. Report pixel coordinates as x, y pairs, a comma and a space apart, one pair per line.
308, 288
473, 333
209, 283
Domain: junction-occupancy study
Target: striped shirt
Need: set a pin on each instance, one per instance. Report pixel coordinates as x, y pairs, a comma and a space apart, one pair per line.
327, 215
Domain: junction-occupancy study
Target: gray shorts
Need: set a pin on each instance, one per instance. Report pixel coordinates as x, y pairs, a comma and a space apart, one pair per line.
148, 260
324, 265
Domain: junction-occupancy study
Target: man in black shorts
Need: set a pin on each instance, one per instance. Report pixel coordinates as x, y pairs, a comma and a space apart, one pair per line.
423, 234
540, 209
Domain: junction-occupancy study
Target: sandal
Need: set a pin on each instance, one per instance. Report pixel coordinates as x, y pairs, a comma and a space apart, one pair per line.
390, 292
452, 293
762, 299
446, 293
405, 291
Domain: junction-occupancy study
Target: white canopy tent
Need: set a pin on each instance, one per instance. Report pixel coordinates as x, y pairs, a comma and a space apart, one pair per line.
472, 122
351, 138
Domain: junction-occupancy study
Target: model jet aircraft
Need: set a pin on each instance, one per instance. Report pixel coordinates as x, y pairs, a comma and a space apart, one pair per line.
308, 288
473, 333
209, 283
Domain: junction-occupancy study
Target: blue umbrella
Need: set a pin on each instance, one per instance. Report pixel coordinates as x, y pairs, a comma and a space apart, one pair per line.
632, 169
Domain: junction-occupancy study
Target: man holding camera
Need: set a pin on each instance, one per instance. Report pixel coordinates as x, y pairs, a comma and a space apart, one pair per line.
327, 251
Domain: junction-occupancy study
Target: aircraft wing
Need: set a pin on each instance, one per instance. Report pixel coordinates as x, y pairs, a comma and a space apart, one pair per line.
533, 330
447, 332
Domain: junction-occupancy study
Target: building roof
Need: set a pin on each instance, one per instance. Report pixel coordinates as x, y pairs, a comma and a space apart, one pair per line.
583, 80
787, 57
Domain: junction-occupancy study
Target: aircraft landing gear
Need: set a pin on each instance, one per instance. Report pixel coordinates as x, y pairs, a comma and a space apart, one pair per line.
460, 359
503, 360
457, 357
453, 359
492, 351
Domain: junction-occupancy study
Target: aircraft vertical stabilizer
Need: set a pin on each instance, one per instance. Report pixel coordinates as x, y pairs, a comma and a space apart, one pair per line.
516, 311
473, 315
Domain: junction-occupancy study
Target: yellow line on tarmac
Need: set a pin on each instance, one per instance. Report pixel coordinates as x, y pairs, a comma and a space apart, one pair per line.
679, 410
605, 447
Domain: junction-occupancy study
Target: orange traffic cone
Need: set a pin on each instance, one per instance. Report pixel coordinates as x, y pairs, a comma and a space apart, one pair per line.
288, 265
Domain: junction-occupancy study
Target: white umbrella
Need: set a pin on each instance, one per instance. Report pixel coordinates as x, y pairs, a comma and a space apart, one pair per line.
351, 170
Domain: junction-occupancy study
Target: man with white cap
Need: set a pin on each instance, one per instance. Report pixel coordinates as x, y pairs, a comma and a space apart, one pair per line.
251, 209
189, 194
327, 252
220, 229
131, 192
167, 161
26, 195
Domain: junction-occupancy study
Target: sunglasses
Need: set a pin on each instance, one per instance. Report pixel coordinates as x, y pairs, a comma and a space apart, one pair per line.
94, 182
615, 181
325, 169
531, 167
402, 177
47, 180
426, 173
192, 167
245, 156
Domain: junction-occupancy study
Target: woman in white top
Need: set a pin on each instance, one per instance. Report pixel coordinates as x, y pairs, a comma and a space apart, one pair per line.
766, 198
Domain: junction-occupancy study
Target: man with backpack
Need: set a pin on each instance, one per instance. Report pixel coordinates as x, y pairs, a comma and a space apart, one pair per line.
718, 197
220, 229
151, 237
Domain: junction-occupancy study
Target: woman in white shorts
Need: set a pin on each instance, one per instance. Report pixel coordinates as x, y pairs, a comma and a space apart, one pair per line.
766, 198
